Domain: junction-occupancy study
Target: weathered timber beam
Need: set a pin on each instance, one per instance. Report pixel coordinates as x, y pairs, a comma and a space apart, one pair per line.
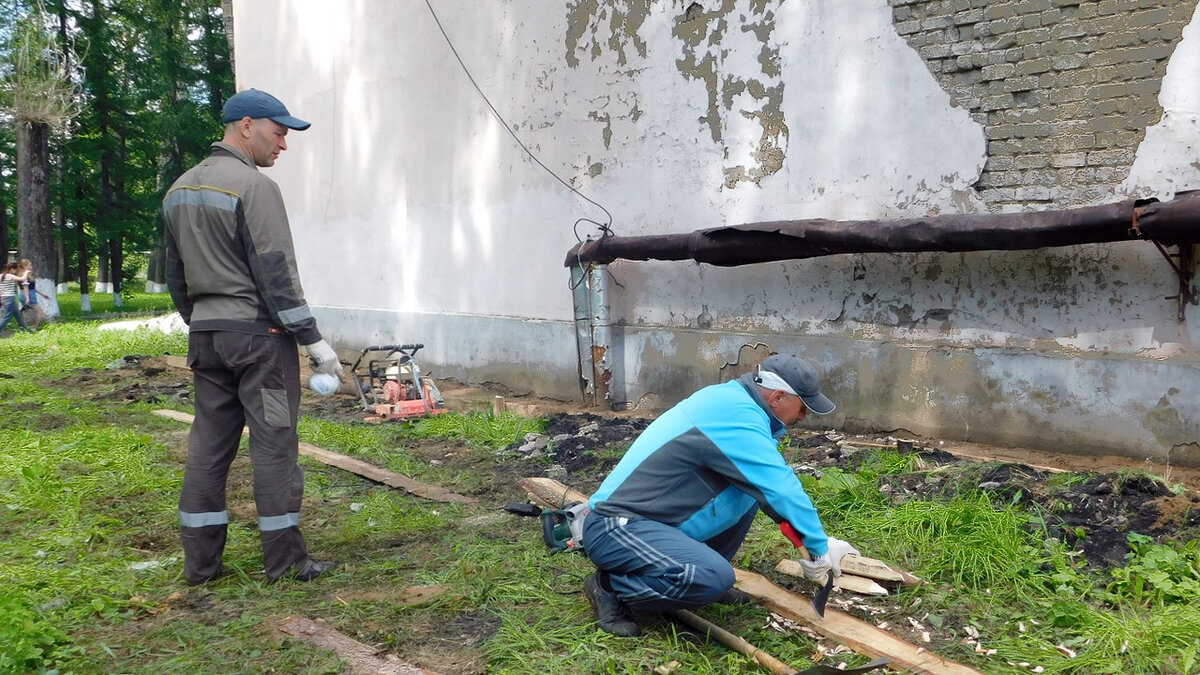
1171, 222
845, 581
357, 466
855, 633
360, 659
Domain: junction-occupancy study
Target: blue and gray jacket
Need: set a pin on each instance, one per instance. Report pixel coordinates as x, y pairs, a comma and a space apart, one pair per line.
705, 463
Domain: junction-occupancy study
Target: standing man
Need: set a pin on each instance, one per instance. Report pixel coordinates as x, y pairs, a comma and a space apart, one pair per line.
231, 271
666, 522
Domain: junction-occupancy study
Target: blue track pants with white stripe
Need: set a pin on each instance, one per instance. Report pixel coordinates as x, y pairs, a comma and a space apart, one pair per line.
654, 567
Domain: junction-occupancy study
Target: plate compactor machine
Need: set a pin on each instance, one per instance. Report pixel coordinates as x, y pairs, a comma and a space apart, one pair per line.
391, 386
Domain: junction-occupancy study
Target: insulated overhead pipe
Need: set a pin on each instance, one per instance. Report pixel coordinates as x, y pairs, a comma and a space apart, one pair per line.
1171, 222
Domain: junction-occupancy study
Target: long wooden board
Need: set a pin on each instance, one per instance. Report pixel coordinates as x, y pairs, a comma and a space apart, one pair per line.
846, 582
360, 658
357, 466
855, 633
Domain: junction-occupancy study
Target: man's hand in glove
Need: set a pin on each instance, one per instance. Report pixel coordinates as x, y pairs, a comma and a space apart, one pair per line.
837, 549
324, 359
817, 568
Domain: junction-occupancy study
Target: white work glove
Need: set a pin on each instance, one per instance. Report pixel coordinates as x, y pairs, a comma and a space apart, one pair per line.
324, 359
817, 568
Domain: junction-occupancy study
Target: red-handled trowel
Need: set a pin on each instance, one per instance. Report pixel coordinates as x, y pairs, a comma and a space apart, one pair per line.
822, 595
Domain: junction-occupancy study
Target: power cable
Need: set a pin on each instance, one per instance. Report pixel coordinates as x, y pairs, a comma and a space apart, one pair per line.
605, 228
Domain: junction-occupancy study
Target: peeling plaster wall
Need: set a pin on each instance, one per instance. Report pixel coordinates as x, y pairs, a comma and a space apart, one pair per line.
417, 216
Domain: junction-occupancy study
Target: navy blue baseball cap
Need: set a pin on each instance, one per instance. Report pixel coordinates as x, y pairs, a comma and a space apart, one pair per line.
257, 104
797, 377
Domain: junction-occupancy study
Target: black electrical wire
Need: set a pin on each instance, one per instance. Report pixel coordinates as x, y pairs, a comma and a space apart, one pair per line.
605, 228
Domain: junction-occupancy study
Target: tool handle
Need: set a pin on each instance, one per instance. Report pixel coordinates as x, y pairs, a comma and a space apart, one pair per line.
734, 642
793, 536
548, 522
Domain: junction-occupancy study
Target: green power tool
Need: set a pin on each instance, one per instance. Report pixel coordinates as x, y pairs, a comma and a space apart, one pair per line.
562, 529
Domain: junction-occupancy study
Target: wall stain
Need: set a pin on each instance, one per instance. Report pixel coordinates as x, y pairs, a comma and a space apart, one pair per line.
596, 28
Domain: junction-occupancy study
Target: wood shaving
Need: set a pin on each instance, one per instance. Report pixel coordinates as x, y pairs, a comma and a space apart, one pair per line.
1069, 653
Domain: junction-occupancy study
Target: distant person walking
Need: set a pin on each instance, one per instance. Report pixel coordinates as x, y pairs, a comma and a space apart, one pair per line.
29, 292
9, 279
231, 271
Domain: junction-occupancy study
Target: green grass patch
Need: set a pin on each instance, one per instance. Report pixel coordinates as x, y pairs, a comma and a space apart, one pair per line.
90, 565
132, 303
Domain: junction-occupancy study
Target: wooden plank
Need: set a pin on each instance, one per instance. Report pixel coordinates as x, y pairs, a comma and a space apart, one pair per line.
846, 582
737, 644
550, 493
856, 634
360, 658
871, 568
357, 466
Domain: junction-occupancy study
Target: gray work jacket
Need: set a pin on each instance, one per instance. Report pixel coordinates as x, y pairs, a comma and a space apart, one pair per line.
230, 261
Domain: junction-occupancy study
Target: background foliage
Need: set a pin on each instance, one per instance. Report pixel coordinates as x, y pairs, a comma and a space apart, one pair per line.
151, 77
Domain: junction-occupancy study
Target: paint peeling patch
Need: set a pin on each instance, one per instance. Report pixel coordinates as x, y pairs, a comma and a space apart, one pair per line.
606, 133
593, 26
744, 94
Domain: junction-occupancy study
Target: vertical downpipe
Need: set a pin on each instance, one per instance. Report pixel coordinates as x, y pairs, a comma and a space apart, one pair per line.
601, 336
583, 329
593, 332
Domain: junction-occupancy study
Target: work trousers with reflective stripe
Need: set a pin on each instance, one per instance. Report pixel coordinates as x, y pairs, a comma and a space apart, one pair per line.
242, 379
654, 567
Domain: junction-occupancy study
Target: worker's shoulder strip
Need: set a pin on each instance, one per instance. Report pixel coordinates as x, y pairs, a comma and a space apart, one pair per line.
201, 195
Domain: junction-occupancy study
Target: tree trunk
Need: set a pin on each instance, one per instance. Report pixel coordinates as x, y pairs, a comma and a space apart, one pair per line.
116, 258
227, 19
4, 232
85, 298
103, 281
34, 237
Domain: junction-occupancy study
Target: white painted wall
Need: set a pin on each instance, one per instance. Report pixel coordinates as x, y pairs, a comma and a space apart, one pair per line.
417, 217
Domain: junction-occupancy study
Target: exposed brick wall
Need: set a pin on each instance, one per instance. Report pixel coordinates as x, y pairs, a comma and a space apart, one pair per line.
1065, 89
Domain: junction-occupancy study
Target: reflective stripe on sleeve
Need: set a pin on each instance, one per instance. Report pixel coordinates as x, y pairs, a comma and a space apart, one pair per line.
295, 315
272, 523
203, 519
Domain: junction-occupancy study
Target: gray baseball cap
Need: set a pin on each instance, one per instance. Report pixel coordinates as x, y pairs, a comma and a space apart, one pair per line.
800, 376
257, 104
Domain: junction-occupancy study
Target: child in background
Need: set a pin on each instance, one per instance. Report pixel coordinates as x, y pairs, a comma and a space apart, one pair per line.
9, 278
29, 292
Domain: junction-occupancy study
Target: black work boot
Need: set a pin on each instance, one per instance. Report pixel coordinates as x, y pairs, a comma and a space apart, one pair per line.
612, 615
215, 575
734, 596
309, 569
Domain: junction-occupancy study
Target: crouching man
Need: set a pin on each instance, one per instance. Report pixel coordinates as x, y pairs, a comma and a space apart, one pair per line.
666, 522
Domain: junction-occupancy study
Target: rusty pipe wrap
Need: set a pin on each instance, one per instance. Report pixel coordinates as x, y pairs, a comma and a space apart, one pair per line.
1171, 222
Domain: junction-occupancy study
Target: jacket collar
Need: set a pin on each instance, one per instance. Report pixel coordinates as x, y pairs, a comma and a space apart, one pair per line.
221, 146
747, 381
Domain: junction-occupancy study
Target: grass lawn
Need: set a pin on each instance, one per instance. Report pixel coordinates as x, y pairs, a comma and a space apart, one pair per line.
90, 567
